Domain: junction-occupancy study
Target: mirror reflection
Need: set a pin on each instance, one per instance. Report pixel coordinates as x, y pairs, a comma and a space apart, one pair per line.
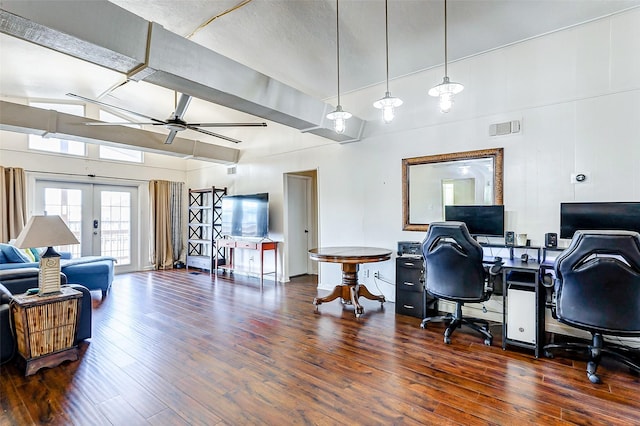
464, 178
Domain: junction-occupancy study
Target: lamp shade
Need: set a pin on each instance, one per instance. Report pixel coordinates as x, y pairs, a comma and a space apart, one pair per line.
45, 231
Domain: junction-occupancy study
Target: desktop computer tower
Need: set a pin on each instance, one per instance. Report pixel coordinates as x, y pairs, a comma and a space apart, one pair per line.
521, 314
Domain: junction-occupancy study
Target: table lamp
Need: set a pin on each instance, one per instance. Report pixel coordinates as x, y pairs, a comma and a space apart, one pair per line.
47, 231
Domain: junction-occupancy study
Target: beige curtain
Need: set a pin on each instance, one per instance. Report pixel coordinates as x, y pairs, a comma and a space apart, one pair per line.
161, 246
13, 202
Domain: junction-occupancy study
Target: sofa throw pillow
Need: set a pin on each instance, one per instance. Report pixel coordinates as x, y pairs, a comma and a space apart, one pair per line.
36, 254
30, 256
13, 254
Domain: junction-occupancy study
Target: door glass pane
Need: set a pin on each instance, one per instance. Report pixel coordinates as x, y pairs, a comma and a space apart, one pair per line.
116, 225
66, 203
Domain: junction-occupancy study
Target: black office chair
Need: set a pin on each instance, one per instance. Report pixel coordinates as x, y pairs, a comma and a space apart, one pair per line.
455, 272
597, 289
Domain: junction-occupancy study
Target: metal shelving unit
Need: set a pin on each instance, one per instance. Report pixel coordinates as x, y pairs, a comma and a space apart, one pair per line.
204, 227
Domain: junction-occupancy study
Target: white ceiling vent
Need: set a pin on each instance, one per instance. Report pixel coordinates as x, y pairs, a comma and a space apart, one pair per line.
505, 128
231, 170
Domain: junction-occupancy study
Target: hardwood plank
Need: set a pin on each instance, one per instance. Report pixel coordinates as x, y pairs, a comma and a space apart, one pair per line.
167, 417
12, 407
174, 347
120, 412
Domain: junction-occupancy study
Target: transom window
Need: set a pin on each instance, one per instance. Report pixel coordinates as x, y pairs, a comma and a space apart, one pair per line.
114, 153
60, 146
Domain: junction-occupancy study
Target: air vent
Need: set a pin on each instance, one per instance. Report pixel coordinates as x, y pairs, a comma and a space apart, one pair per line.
505, 128
231, 170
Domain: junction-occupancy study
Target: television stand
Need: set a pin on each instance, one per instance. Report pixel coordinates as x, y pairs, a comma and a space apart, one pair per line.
230, 245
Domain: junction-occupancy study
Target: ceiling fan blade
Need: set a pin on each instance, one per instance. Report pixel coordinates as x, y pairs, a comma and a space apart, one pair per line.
181, 108
170, 137
123, 123
228, 124
116, 107
206, 132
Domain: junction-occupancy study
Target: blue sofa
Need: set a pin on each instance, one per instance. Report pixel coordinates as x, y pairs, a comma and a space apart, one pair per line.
93, 272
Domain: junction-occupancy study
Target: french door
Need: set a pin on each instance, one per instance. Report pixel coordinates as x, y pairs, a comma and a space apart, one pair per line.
102, 217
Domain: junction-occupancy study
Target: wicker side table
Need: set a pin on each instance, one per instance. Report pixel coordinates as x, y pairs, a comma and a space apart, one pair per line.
46, 328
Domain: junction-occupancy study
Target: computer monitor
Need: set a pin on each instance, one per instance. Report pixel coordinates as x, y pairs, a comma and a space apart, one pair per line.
599, 216
480, 220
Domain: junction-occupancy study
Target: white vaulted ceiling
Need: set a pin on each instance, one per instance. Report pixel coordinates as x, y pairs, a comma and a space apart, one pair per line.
294, 42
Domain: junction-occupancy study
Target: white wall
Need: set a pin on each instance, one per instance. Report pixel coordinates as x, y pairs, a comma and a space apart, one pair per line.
576, 92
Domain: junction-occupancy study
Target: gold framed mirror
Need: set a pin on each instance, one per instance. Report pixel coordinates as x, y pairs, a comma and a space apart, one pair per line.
459, 178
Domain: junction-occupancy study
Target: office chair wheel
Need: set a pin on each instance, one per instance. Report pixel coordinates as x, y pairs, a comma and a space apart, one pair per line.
591, 372
548, 354
488, 341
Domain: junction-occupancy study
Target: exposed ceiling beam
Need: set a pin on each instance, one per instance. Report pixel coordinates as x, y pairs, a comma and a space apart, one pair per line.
48, 123
105, 34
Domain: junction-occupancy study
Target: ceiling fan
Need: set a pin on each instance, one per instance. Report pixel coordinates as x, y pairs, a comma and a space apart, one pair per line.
175, 123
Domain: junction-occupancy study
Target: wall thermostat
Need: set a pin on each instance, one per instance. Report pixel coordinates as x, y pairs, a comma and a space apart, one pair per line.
578, 177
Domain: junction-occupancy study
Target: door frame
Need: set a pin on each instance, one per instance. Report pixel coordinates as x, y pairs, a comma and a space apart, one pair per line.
311, 178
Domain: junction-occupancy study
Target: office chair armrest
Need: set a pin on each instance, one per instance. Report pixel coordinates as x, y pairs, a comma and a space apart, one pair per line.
492, 272
550, 295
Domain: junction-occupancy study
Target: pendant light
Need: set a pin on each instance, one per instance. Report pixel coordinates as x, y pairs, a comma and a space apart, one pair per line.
446, 89
388, 103
338, 116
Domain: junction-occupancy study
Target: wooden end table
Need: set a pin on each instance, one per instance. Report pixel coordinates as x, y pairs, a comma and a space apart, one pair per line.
46, 327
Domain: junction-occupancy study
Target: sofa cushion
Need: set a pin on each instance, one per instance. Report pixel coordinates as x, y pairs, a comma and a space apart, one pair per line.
13, 254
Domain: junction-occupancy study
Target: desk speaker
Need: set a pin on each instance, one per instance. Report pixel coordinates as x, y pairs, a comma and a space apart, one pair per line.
551, 239
509, 238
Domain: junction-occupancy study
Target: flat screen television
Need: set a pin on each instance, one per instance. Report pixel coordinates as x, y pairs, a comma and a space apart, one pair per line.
598, 216
480, 220
245, 215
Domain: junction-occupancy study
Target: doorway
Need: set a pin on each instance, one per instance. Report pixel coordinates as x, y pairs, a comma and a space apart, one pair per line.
102, 217
301, 218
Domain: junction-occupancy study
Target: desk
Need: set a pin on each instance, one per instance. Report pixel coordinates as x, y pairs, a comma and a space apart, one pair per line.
350, 258
260, 246
523, 305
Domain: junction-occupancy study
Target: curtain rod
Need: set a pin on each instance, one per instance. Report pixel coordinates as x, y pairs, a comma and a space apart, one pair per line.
91, 175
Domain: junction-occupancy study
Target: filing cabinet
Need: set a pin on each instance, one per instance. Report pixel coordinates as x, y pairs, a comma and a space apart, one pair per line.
410, 293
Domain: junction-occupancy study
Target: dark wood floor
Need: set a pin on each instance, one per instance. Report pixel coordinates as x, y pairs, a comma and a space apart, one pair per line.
175, 347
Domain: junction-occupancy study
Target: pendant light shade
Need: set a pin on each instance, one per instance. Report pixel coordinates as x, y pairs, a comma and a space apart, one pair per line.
339, 117
447, 89
445, 92
388, 103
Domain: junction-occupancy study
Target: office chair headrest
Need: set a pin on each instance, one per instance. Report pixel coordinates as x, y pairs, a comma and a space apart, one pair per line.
585, 245
455, 234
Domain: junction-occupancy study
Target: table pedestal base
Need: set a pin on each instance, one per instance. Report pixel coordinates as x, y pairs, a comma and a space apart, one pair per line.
349, 291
